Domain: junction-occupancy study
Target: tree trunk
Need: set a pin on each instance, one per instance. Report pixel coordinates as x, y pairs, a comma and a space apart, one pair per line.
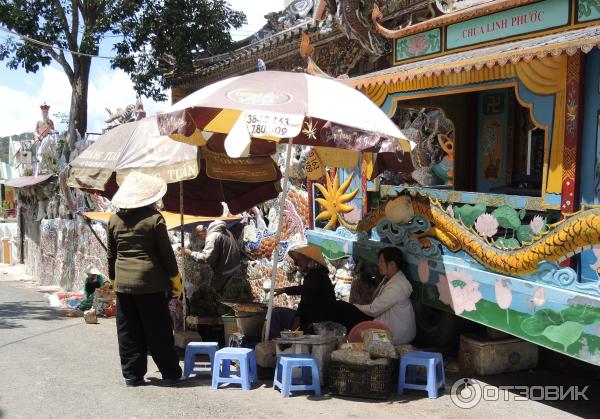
79, 97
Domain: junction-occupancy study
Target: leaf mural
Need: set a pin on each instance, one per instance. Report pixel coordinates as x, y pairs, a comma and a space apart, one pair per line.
524, 234
331, 250
566, 334
503, 243
564, 327
537, 323
507, 217
581, 313
469, 213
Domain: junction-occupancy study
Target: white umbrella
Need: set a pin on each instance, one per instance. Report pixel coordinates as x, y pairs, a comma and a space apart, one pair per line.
274, 106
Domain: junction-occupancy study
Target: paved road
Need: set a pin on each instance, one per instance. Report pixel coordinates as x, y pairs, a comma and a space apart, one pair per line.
55, 367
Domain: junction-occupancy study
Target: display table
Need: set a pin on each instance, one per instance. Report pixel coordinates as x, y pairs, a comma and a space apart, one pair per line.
320, 347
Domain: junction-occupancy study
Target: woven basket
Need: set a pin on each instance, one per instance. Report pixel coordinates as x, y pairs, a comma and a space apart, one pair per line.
368, 381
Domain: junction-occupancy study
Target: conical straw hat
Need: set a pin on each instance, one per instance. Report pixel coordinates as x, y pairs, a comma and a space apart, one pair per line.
139, 190
310, 251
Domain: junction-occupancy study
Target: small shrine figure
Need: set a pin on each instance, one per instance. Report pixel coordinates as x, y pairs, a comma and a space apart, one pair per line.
43, 129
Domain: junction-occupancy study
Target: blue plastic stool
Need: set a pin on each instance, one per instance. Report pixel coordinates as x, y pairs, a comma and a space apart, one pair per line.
434, 379
198, 348
283, 374
246, 363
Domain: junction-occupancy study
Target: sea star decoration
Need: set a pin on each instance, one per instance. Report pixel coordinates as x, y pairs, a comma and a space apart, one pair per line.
334, 200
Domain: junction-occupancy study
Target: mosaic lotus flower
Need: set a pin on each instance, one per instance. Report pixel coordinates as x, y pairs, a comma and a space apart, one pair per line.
539, 297
423, 271
486, 225
459, 291
450, 210
503, 294
417, 45
537, 224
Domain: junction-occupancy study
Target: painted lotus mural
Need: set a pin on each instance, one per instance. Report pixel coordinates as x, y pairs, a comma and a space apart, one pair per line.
495, 266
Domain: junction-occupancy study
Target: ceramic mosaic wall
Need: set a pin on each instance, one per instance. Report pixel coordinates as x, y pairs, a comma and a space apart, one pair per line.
66, 249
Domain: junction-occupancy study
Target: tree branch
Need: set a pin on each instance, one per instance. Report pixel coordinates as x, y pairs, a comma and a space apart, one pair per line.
74, 20
60, 58
65, 25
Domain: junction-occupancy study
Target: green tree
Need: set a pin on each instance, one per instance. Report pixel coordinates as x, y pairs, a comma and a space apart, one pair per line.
156, 36
168, 36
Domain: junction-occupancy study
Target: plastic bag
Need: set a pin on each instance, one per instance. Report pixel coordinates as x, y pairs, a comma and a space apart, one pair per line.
378, 343
329, 329
90, 316
103, 298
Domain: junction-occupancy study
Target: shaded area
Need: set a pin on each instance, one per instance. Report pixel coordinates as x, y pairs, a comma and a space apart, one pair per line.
14, 313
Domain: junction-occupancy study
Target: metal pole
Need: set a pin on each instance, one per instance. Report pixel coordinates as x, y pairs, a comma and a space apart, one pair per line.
181, 221
278, 237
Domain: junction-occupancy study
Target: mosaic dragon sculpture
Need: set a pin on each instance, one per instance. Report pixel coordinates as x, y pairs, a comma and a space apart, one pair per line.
562, 239
354, 18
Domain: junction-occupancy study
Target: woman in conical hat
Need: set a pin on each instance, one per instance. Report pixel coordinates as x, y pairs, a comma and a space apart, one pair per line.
141, 264
317, 296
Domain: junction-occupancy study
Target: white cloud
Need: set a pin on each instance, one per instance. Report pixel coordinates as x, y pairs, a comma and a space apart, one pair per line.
20, 110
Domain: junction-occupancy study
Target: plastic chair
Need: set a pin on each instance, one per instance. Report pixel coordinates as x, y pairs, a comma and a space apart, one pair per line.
434, 378
198, 348
283, 374
246, 360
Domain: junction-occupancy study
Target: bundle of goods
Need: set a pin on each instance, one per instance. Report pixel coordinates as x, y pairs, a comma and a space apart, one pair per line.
238, 289
105, 302
205, 302
259, 276
365, 369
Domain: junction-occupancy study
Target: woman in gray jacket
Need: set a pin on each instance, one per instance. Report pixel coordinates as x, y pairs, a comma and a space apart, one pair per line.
221, 252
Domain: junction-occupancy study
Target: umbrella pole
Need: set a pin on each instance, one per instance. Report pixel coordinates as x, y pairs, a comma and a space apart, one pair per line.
286, 179
181, 221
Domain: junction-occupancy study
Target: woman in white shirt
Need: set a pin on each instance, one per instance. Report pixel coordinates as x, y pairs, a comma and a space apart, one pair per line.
391, 303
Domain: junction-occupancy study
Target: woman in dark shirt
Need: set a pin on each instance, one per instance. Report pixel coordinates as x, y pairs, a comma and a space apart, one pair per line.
317, 296
141, 264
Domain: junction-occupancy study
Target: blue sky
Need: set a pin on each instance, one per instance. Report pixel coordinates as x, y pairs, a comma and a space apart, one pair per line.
22, 92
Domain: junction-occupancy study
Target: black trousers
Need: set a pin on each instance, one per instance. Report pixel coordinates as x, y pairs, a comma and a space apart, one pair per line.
143, 321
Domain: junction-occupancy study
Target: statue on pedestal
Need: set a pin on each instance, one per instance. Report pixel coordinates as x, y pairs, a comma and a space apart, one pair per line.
43, 137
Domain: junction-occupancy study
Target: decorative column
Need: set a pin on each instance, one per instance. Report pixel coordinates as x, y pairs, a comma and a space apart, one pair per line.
572, 147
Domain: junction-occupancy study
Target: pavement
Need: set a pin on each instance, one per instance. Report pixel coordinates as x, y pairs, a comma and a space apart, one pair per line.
55, 366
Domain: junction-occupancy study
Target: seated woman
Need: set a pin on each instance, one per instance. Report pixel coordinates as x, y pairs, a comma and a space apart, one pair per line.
317, 297
93, 280
391, 303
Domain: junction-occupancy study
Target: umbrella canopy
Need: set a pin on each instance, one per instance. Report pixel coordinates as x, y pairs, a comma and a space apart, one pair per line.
135, 146
214, 178
204, 195
272, 105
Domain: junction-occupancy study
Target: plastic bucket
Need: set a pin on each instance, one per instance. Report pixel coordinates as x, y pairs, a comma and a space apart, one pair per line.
229, 325
250, 324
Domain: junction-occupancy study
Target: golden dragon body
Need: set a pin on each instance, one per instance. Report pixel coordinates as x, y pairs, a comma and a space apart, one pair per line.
562, 240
